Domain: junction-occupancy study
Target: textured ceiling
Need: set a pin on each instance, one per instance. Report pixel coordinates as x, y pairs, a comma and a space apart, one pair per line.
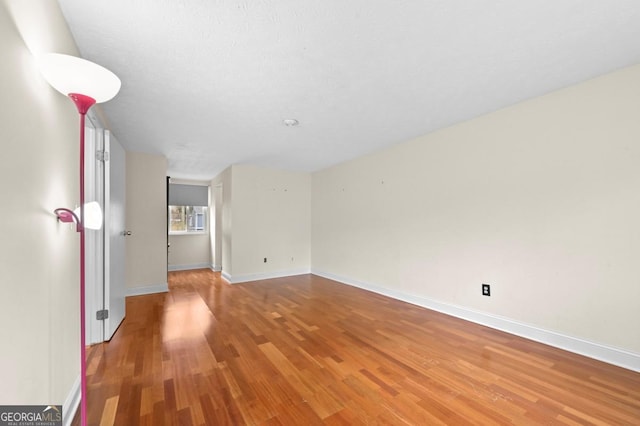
208, 83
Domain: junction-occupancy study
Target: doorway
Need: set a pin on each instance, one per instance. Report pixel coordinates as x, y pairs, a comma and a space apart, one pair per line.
105, 254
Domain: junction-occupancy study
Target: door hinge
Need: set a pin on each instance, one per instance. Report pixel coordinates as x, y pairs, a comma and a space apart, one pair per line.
102, 156
102, 314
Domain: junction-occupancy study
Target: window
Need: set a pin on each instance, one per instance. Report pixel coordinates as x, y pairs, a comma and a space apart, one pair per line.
187, 208
187, 219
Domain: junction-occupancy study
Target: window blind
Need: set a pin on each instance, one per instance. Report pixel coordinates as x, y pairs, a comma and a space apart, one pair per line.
188, 195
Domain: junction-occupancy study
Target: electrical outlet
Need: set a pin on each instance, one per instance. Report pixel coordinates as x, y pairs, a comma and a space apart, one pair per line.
486, 290
265, 260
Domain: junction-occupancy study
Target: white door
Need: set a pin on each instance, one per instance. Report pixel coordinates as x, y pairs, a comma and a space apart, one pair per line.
115, 234
94, 191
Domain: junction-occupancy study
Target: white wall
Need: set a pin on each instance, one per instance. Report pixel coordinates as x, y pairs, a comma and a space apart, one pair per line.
39, 257
189, 252
222, 197
270, 218
146, 218
541, 200
215, 213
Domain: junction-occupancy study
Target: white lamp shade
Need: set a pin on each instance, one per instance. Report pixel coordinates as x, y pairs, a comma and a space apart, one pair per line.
70, 74
92, 215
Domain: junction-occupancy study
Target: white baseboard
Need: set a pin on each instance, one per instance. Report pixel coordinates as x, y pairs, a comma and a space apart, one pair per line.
235, 279
189, 267
139, 291
608, 354
71, 404
216, 268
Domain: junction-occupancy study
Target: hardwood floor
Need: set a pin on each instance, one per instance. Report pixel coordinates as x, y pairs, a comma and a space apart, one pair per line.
306, 350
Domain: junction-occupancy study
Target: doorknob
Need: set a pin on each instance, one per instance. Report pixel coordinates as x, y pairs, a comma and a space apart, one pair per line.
126, 233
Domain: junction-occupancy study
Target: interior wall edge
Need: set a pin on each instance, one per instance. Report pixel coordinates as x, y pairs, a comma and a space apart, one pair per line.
151, 289
189, 267
598, 351
236, 279
71, 403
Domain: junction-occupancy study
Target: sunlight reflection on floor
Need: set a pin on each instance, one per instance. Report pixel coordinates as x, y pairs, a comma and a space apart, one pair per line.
187, 318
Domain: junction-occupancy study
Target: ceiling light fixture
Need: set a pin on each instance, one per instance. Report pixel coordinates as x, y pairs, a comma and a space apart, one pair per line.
85, 83
290, 122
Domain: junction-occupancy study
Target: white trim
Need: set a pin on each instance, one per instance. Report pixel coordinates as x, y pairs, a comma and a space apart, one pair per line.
201, 232
226, 276
139, 291
608, 354
71, 404
189, 267
267, 276
216, 268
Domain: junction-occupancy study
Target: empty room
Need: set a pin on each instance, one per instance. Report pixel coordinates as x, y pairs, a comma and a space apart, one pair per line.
341, 213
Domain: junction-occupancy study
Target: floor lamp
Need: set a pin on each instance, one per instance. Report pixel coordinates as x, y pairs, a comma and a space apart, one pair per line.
85, 83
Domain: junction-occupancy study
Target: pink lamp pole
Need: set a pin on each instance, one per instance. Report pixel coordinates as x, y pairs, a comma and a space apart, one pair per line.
75, 77
83, 103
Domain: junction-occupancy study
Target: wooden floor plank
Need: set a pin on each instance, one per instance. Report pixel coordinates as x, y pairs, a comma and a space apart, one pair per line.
305, 350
